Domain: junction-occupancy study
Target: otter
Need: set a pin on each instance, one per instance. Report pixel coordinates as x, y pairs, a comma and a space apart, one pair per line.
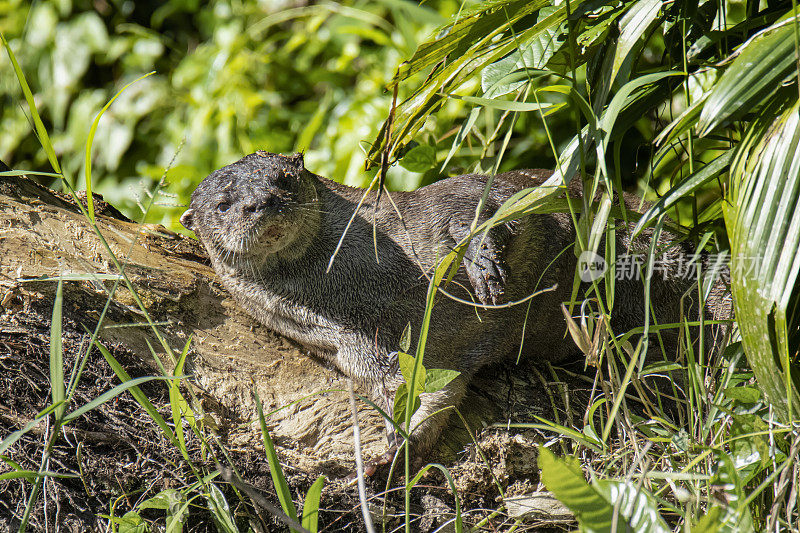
271, 226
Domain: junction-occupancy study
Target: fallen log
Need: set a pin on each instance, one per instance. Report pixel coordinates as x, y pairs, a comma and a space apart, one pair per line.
170, 296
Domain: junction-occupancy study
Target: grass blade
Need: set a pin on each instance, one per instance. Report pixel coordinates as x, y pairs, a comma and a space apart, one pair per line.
90, 140
57, 354
41, 132
278, 479
311, 505
108, 395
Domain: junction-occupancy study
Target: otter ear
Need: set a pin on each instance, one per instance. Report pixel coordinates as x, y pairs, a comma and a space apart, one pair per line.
187, 219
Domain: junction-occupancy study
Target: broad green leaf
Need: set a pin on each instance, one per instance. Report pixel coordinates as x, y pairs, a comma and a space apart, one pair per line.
635, 504
762, 216
595, 504
756, 73
533, 55
743, 394
457, 38
311, 505
401, 405
131, 522
480, 49
438, 378
162, 500
407, 363
564, 478
419, 159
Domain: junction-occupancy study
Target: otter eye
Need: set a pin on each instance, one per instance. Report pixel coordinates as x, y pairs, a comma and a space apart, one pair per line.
223, 206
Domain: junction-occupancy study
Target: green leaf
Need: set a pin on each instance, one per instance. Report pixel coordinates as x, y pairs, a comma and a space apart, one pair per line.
458, 37
743, 394
762, 216
419, 159
131, 522
471, 43
594, 505
437, 378
534, 55
278, 479
405, 338
684, 189
56, 355
174, 503
113, 393
31, 475
635, 504
401, 404
735, 517
311, 505
407, 363
762, 64
633, 24
90, 140
505, 105
564, 478
159, 501
41, 131
624, 98
220, 510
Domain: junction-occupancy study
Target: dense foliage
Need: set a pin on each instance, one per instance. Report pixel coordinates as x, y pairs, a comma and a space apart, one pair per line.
695, 103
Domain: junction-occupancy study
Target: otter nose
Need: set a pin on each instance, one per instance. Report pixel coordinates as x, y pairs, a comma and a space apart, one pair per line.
260, 205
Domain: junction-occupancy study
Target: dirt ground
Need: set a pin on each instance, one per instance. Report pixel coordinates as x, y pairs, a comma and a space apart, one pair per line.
116, 453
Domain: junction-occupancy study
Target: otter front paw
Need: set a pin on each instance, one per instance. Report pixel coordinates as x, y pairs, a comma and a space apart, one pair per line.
486, 270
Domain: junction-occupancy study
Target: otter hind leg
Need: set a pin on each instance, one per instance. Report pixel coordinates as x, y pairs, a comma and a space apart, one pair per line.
431, 417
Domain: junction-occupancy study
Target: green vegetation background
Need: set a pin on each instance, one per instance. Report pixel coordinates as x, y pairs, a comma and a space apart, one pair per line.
232, 77
717, 81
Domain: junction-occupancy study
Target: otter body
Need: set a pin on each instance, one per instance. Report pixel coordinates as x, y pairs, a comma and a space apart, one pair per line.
270, 227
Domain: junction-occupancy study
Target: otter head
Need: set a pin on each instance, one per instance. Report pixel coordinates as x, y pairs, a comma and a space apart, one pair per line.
251, 208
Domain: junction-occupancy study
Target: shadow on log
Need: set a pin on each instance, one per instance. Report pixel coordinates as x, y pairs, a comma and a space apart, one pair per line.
116, 450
